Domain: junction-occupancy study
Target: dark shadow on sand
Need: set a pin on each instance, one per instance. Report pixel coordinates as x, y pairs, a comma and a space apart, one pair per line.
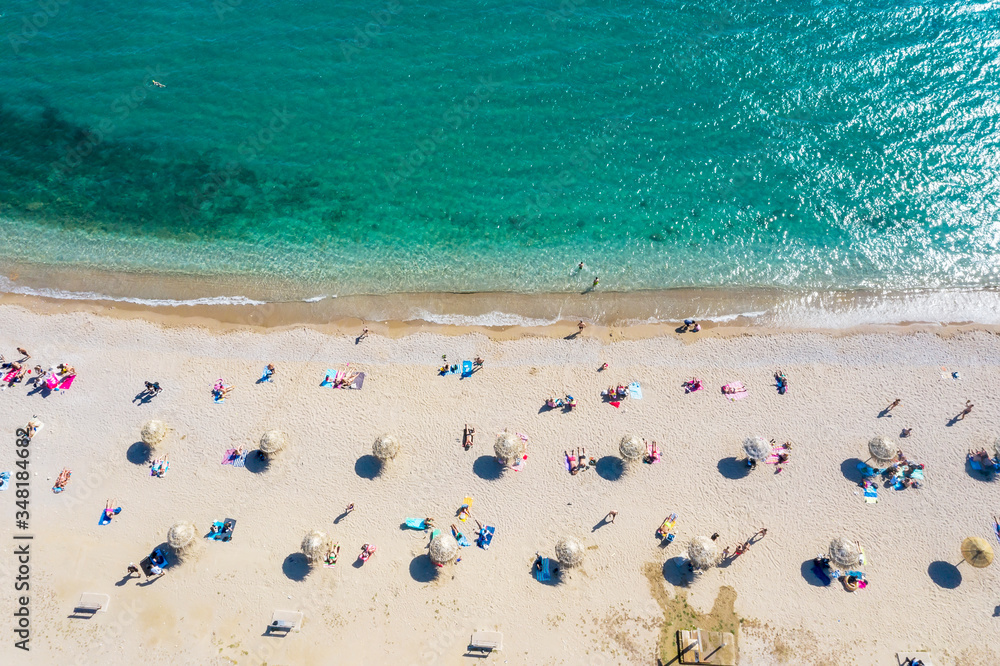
367, 467
849, 468
610, 468
810, 575
295, 566
139, 453
487, 468
977, 474
256, 463
733, 468
675, 572
945, 574
422, 569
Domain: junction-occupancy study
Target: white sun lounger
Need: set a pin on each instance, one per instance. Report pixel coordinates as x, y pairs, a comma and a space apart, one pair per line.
486, 641
93, 603
285, 621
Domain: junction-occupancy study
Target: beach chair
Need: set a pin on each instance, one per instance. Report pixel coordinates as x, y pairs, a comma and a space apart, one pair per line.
93, 603
923, 657
486, 641
285, 621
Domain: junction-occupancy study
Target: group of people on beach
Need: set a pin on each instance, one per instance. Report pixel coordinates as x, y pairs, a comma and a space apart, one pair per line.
55, 378
742, 547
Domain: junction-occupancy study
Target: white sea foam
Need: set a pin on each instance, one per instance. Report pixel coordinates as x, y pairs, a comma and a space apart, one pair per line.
8, 287
494, 318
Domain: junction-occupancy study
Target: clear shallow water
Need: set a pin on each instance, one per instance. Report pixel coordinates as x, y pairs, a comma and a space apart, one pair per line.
491, 146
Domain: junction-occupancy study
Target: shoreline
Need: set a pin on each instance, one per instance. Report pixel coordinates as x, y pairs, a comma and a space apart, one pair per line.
500, 315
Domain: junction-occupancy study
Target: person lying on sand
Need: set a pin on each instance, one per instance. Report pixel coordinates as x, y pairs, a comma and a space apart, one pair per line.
468, 437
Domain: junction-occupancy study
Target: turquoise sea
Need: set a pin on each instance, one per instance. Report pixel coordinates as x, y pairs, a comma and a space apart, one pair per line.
354, 147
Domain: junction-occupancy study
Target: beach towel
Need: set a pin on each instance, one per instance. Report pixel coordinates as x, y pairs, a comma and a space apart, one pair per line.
4, 480
868, 471
635, 391
486, 537
871, 495
448, 370
615, 403
51, 381
216, 531
241, 461
545, 574
416, 523
917, 474
466, 368
9, 377
266, 377
230, 457
358, 382
460, 538
741, 391
218, 397
66, 383
996, 528
519, 465
329, 377
156, 468
821, 574
104, 517
570, 463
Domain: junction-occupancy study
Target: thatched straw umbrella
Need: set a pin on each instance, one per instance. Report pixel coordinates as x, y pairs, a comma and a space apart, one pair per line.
977, 552
569, 552
272, 443
757, 448
182, 536
443, 548
316, 546
385, 448
881, 449
509, 448
702, 553
631, 448
845, 553
153, 432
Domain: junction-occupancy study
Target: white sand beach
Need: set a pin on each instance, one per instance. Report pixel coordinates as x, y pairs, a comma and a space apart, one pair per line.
213, 607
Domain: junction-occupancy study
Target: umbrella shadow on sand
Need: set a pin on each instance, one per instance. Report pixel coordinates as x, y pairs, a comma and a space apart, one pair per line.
733, 468
139, 453
487, 468
676, 572
367, 467
610, 468
945, 574
849, 468
422, 569
810, 575
295, 566
256, 462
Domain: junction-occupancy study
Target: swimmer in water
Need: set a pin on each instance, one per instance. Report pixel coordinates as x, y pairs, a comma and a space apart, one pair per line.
597, 280
157, 84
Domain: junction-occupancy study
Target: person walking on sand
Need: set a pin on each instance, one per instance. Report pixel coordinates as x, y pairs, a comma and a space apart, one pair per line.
579, 327
364, 334
610, 518
965, 412
762, 533
895, 403
132, 569
350, 507
24, 353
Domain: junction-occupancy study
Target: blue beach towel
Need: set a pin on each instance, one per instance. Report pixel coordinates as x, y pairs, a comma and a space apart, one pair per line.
4, 480
462, 541
871, 494
104, 519
635, 391
266, 377
867, 471
466, 368
241, 461
545, 574
486, 537
328, 379
416, 523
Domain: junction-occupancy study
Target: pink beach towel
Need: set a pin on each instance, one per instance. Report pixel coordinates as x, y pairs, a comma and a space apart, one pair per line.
741, 391
9, 377
230, 457
66, 383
